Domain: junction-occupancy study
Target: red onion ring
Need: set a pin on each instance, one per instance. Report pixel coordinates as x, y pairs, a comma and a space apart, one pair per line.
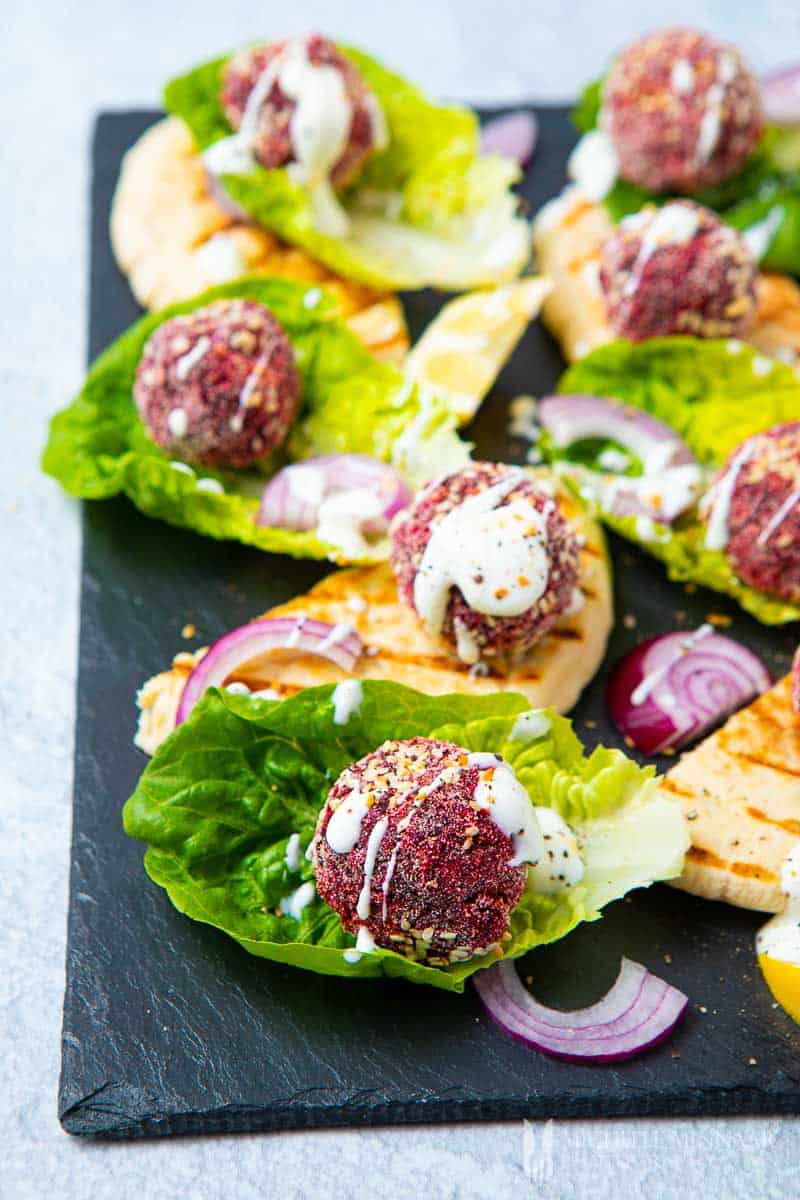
780, 94
292, 499
513, 136
639, 1011
671, 690
338, 643
570, 419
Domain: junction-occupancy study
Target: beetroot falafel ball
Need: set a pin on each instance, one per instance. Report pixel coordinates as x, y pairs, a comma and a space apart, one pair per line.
677, 269
517, 561
273, 146
752, 511
218, 386
682, 110
421, 868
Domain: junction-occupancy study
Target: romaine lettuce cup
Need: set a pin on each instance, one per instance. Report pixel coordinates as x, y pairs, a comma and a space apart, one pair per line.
763, 196
426, 210
224, 794
350, 403
714, 394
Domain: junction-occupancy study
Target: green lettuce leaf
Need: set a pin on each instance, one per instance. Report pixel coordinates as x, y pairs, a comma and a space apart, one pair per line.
767, 183
427, 210
715, 394
98, 446
220, 799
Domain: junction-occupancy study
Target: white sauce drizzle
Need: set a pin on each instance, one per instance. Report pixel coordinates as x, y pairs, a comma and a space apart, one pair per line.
177, 422
198, 351
682, 77
529, 726
721, 496
210, 485
293, 904
711, 120
344, 827
496, 556
387, 880
671, 225
653, 678
237, 688
363, 906
182, 468
467, 647
759, 236
292, 856
522, 418
778, 518
561, 865
220, 259
780, 937
594, 165
342, 515
762, 366
500, 793
346, 697
365, 943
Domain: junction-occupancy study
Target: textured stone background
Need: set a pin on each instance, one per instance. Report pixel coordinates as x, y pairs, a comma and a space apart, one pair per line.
62, 62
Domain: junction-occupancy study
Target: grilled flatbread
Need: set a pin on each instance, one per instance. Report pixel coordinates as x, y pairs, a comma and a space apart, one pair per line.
740, 790
172, 239
568, 235
396, 648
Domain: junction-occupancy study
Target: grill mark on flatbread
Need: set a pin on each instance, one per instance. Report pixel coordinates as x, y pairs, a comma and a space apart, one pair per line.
553, 673
741, 790
790, 824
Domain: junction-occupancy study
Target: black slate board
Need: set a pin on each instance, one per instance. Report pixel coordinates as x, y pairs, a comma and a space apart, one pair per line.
169, 1027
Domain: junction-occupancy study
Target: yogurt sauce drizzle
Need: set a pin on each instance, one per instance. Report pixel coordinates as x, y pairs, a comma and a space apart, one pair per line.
496, 556
653, 678
780, 937
346, 697
292, 857
365, 943
672, 225
501, 794
529, 726
711, 120
721, 496
344, 827
561, 865
373, 846
293, 904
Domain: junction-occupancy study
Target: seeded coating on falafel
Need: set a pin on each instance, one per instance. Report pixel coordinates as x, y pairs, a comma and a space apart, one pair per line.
438, 886
678, 269
480, 634
273, 141
682, 110
218, 386
756, 502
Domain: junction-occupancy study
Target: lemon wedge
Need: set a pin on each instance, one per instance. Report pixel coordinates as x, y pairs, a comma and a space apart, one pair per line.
783, 980
463, 350
778, 942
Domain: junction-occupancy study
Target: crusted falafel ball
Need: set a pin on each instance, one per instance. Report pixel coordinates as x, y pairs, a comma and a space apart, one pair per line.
268, 82
752, 511
486, 560
410, 854
682, 110
677, 269
218, 386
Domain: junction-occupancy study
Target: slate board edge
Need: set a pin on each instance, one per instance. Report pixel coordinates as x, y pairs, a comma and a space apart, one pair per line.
115, 1111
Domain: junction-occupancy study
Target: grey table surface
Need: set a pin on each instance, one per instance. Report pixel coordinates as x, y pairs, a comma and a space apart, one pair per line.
63, 62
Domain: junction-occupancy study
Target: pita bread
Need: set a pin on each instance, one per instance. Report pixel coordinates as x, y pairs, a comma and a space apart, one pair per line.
568, 234
740, 790
172, 239
554, 673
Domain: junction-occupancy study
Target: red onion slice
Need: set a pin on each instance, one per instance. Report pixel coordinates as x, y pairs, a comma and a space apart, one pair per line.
513, 136
292, 499
780, 93
570, 419
338, 643
639, 1011
218, 193
671, 690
